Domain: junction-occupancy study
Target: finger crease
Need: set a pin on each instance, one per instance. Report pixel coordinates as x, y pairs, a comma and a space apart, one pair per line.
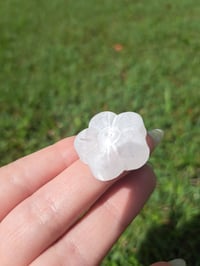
16, 180
113, 212
66, 160
75, 249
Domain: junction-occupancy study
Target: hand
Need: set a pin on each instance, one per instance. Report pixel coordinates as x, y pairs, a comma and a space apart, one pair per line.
54, 212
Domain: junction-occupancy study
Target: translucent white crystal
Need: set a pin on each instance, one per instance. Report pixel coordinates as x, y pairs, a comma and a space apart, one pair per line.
112, 144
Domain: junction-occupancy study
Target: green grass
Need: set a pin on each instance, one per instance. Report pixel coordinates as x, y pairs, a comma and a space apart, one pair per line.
59, 67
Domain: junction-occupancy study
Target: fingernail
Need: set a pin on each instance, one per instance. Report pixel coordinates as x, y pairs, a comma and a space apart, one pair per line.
177, 262
157, 135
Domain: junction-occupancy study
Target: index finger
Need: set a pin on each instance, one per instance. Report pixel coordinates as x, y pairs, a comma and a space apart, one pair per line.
23, 177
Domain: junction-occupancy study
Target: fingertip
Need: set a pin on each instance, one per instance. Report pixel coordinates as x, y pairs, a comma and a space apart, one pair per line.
154, 137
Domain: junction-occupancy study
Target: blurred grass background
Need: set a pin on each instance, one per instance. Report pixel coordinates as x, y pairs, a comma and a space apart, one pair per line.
63, 61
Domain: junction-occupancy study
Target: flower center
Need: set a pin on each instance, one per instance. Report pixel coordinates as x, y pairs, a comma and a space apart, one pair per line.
108, 136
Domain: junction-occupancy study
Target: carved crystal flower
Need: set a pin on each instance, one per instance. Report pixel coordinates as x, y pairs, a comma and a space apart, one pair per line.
113, 144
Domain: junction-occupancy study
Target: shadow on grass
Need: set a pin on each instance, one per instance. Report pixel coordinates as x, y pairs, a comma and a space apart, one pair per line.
170, 241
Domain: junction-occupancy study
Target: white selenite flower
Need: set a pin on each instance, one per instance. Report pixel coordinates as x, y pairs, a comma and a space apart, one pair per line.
113, 144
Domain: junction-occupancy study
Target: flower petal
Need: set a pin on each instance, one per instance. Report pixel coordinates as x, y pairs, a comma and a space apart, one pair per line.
102, 120
140, 155
132, 149
106, 166
86, 144
129, 120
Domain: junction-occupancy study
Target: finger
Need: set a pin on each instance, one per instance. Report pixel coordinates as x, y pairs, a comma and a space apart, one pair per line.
23, 177
103, 224
154, 137
43, 217
150, 143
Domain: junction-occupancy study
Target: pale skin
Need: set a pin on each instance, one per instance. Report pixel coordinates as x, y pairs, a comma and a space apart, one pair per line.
54, 212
